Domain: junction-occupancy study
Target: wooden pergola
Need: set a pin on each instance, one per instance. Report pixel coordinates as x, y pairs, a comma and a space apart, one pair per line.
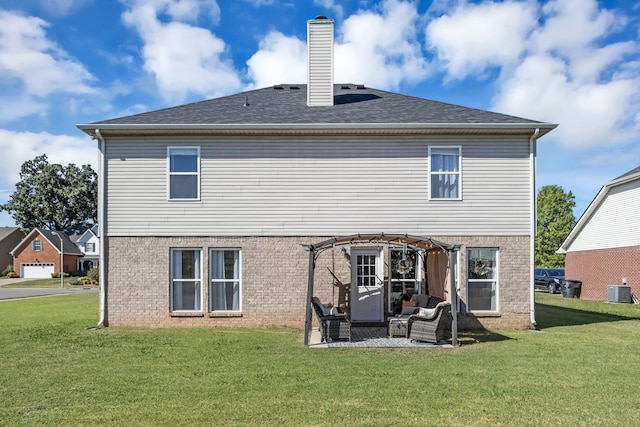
424, 244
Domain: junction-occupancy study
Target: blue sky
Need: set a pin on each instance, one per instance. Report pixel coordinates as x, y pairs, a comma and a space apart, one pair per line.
571, 62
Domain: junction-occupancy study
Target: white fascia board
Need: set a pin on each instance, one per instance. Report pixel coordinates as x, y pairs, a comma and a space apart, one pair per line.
328, 127
592, 208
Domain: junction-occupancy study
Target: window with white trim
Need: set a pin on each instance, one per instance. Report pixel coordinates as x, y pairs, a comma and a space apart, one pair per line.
186, 279
184, 173
36, 245
444, 173
90, 247
226, 283
482, 279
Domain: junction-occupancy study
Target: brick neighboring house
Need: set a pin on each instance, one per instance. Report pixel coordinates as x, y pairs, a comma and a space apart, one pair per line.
9, 238
604, 246
38, 254
207, 210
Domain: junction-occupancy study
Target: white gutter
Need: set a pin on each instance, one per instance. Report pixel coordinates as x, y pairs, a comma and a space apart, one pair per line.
102, 227
532, 239
88, 128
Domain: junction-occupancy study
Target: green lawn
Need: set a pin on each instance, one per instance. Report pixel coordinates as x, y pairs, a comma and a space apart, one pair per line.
581, 369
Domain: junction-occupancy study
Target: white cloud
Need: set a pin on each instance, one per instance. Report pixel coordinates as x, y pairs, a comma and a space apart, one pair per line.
32, 67
62, 7
183, 59
472, 38
18, 147
568, 78
377, 49
280, 59
381, 49
331, 5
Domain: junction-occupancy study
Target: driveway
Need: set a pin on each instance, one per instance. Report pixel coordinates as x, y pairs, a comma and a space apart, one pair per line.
12, 293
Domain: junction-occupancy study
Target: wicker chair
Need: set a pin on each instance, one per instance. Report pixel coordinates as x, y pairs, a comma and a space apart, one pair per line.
332, 326
430, 328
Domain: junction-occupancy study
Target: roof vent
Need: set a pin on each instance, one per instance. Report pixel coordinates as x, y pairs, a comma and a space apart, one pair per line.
360, 87
320, 62
346, 87
278, 87
294, 87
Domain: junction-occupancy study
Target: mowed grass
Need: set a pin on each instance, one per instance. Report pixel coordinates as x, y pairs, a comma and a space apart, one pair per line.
581, 369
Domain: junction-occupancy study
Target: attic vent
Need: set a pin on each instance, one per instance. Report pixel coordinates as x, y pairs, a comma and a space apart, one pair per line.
347, 87
294, 87
360, 87
278, 87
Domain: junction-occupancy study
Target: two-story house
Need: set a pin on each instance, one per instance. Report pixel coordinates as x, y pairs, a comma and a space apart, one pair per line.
209, 211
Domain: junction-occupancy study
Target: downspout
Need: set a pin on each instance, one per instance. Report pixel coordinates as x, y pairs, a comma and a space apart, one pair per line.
532, 239
101, 228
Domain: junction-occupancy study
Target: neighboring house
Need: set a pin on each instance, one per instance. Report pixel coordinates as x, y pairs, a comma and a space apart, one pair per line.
87, 240
9, 238
604, 246
38, 254
210, 211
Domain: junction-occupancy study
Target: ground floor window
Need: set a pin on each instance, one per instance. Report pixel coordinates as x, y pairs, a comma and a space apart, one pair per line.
482, 279
224, 271
186, 282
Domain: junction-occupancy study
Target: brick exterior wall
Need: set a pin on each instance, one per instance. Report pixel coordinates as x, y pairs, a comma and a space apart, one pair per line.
48, 254
597, 269
274, 281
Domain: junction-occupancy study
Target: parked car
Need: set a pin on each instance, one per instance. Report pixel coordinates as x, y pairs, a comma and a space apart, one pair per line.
549, 279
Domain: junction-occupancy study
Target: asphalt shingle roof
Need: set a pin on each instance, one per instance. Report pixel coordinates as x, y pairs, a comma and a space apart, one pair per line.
287, 104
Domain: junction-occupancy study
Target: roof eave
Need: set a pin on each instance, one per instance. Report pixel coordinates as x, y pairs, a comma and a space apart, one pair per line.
595, 203
316, 128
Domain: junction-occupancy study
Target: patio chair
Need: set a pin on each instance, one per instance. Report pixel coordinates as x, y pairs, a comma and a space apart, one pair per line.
332, 326
430, 324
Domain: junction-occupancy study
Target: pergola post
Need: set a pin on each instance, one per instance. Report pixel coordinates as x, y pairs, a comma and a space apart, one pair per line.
454, 299
310, 275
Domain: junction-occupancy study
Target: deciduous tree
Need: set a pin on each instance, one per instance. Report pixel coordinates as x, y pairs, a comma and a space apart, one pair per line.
53, 196
555, 220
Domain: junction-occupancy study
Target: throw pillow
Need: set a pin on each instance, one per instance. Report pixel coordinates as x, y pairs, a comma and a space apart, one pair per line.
409, 303
427, 312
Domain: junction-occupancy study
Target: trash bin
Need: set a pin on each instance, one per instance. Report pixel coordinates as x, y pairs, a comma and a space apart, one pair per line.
571, 288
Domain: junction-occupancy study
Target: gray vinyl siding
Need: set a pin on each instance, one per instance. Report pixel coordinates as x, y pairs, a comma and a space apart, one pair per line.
615, 223
301, 187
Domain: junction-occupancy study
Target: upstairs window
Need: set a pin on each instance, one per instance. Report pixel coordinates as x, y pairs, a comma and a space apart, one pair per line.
90, 247
444, 173
36, 245
184, 173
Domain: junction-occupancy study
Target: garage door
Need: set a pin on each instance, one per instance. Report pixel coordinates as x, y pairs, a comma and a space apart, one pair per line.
36, 270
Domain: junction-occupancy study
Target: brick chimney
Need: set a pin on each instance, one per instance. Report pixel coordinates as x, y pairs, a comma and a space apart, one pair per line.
320, 62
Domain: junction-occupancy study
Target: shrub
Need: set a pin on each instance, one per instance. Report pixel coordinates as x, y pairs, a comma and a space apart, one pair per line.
12, 275
94, 275
77, 273
7, 270
57, 275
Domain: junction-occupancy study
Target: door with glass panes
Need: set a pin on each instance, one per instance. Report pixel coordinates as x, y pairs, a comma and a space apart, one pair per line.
367, 294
